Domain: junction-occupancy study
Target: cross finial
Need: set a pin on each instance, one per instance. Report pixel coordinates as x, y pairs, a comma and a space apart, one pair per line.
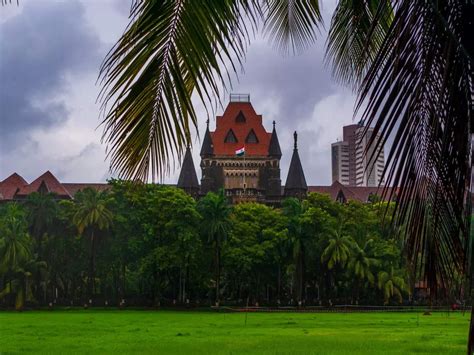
274, 124
295, 135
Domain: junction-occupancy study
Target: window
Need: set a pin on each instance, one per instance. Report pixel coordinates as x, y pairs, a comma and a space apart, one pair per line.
251, 137
340, 197
240, 118
230, 137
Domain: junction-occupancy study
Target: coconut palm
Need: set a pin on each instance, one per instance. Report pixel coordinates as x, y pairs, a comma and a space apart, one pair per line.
92, 214
42, 209
361, 264
410, 62
17, 263
215, 212
299, 238
338, 248
19, 281
15, 242
392, 284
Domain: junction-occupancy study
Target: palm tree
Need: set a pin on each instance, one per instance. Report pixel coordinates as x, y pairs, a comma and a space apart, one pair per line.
361, 264
15, 242
338, 249
17, 263
411, 63
42, 210
92, 214
20, 281
299, 237
392, 284
215, 212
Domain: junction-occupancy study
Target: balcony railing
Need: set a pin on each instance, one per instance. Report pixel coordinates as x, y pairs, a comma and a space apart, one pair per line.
239, 97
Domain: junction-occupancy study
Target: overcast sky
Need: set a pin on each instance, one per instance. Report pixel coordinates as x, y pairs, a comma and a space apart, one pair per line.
50, 53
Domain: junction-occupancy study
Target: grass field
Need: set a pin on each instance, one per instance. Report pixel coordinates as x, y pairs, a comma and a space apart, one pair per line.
169, 332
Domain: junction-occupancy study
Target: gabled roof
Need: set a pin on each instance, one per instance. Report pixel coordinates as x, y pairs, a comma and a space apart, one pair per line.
207, 148
10, 186
187, 176
296, 179
355, 193
274, 148
47, 180
241, 118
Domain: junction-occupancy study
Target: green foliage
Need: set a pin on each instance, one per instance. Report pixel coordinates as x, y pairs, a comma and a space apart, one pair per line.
154, 244
17, 262
215, 212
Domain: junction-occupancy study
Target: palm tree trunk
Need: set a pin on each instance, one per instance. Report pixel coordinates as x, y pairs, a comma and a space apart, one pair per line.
279, 281
218, 271
92, 266
299, 275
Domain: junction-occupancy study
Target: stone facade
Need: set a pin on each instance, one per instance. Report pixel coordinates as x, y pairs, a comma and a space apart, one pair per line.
254, 176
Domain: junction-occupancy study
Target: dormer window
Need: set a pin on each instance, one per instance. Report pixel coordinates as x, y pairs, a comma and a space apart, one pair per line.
251, 137
230, 137
240, 118
43, 188
340, 197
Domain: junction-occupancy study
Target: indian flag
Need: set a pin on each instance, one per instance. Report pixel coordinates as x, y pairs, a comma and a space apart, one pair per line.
240, 152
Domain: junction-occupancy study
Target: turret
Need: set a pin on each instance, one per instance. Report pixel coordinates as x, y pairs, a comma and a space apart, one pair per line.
273, 168
207, 149
295, 182
188, 180
208, 166
274, 150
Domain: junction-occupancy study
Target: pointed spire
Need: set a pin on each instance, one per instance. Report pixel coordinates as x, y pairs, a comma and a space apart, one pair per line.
274, 147
296, 181
188, 180
207, 148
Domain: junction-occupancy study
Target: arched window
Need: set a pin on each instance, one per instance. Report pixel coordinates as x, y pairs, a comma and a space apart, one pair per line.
230, 137
251, 137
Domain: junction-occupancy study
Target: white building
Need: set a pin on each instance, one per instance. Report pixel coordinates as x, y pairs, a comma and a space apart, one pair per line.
353, 160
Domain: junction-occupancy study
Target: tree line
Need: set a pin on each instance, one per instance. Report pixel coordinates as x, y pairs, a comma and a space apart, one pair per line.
151, 245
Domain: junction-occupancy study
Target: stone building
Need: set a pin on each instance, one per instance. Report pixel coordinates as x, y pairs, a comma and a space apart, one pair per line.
241, 157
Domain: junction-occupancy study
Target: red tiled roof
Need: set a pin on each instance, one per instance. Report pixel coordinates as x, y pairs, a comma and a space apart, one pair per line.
241, 129
52, 184
73, 188
10, 186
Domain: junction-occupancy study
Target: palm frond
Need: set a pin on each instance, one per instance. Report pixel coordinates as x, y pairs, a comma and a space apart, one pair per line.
291, 24
358, 29
419, 89
170, 50
7, 2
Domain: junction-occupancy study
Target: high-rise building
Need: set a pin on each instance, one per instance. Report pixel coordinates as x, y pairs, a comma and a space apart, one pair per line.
353, 160
340, 162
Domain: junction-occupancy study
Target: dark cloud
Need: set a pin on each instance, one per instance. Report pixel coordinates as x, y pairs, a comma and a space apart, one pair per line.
288, 89
40, 47
49, 45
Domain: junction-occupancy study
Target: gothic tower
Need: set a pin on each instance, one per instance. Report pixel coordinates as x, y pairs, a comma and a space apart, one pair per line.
188, 180
295, 182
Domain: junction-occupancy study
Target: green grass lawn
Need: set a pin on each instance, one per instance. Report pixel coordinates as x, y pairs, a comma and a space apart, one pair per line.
167, 332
